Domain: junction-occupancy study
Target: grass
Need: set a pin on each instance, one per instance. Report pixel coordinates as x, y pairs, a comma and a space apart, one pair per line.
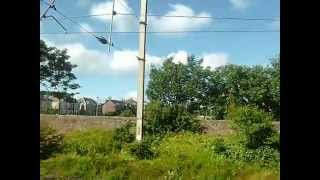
91, 155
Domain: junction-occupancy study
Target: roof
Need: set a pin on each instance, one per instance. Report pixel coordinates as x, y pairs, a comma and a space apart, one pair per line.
117, 102
48, 98
88, 100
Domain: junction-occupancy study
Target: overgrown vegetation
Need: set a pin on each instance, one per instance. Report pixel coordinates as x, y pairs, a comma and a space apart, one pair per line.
162, 118
174, 146
105, 154
50, 142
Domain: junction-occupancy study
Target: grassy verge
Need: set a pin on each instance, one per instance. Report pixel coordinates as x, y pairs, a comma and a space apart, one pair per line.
96, 154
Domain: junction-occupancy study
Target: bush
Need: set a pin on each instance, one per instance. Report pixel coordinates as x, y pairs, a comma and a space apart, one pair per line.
253, 124
121, 136
219, 146
89, 142
50, 142
143, 149
127, 113
50, 111
112, 113
174, 156
162, 119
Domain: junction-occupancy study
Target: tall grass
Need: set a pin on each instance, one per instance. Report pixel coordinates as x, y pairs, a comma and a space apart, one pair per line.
91, 155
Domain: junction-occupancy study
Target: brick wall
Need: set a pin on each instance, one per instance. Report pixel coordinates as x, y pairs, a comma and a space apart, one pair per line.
67, 123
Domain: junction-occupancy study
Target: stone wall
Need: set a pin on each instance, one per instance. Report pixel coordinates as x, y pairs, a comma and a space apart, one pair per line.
67, 123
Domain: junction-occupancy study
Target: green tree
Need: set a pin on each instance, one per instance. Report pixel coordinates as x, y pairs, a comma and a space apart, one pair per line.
256, 85
55, 70
208, 91
179, 84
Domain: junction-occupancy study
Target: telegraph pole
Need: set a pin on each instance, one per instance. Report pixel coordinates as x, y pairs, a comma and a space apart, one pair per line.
141, 68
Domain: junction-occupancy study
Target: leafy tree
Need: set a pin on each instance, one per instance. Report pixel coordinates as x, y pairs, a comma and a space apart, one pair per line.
179, 84
257, 86
209, 91
55, 70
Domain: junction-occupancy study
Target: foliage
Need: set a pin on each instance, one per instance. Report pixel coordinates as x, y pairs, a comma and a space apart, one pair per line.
219, 146
56, 70
141, 150
253, 124
207, 91
122, 136
89, 142
174, 156
49, 111
116, 113
83, 167
127, 113
161, 119
50, 142
184, 84
130, 108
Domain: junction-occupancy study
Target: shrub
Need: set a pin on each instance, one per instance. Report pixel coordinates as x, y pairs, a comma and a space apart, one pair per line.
219, 146
267, 157
50, 142
122, 136
169, 118
89, 142
253, 124
112, 113
274, 141
127, 113
143, 149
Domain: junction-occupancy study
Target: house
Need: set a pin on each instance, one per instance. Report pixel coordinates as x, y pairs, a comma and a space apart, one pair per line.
87, 106
69, 107
48, 103
112, 106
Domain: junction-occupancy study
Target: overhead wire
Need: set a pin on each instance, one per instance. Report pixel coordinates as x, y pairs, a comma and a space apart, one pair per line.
164, 32
70, 18
178, 16
101, 39
126, 7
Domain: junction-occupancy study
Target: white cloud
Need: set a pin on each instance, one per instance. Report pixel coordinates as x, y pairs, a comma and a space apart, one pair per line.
86, 26
214, 60
126, 61
240, 4
179, 57
131, 94
130, 23
178, 23
94, 62
121, 22
88, 61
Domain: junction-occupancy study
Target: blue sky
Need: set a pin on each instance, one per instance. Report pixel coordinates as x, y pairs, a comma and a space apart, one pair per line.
103, 74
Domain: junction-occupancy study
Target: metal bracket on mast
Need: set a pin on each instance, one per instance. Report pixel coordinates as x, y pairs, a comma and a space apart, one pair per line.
44, 15
111, 25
